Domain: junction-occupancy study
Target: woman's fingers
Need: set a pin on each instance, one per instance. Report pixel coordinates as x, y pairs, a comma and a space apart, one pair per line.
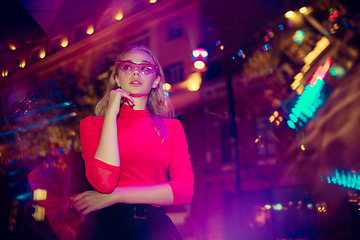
86, 211
79, 205
124, 94
129, 99
83, 206
79, 196
116, 98
89, 201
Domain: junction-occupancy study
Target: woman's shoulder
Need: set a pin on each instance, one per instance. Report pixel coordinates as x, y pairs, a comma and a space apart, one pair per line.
92, 120
173, 124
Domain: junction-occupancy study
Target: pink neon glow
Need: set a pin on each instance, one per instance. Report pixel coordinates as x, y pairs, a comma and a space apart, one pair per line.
322, 70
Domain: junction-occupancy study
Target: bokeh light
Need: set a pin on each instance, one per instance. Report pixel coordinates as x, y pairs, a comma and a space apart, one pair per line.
119, 16
90, 30
193, 82
196, 53
204, 54
42, 53
5, 72
289, 14
22, 63
64, 42
167, 86
277, 207
12, 47
199, 65
303, 10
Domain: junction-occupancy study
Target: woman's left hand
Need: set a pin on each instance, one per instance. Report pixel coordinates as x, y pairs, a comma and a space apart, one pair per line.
90, 201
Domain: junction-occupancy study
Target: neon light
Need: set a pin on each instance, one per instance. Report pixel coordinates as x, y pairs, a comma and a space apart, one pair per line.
291, 124
322, 69
204, 54
266, 47
345, 179
310, 99
195, 53
293, 117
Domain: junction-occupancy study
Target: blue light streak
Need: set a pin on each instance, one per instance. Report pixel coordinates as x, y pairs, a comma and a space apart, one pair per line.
38, 124
45, 109
24, 196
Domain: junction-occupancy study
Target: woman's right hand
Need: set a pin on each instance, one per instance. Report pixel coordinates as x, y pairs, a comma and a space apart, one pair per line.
117, 96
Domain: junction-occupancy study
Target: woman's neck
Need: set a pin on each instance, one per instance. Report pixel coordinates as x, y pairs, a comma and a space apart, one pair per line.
140, 103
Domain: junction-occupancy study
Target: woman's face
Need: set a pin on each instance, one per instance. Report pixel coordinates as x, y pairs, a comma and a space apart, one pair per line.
136, 82
23, 105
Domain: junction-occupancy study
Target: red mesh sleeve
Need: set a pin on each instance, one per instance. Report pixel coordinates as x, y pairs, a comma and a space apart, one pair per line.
181, 171
102, 176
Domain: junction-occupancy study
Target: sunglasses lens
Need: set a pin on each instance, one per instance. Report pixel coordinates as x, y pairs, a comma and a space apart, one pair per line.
146, 68
127, 67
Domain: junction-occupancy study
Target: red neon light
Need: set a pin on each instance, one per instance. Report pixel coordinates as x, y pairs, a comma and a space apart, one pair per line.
322, 69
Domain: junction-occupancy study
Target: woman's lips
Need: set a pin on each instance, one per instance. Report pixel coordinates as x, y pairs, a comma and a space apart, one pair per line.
135, 83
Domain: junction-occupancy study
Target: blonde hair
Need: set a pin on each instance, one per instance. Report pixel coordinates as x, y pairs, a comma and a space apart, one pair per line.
158, 106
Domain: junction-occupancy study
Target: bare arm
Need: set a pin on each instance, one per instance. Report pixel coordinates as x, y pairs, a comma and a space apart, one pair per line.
108, 148
157, 194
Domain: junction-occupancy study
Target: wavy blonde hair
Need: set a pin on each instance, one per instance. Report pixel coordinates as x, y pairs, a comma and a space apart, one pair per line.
158, 106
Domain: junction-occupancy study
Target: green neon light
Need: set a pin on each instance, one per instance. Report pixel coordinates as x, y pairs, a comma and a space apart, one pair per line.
344, 179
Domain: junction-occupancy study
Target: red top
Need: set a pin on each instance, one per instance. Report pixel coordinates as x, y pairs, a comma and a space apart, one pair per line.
144, 159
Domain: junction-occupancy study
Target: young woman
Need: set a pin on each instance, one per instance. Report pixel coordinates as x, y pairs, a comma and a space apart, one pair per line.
135, 156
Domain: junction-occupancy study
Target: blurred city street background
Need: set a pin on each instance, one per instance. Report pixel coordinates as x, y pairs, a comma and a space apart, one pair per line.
268, 92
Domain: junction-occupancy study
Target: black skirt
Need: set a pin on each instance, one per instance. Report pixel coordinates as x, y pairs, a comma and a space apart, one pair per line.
128, 222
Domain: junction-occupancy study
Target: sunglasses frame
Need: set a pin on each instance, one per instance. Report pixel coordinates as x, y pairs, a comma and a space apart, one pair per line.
137, 66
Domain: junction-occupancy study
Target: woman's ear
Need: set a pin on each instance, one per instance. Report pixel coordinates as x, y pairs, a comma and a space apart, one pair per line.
117, 80
156, 82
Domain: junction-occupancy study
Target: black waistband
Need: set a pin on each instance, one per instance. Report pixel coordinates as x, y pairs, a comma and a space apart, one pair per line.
140, 211
128, 221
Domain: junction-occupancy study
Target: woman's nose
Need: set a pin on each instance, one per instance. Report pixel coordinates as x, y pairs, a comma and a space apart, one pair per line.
136, 72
